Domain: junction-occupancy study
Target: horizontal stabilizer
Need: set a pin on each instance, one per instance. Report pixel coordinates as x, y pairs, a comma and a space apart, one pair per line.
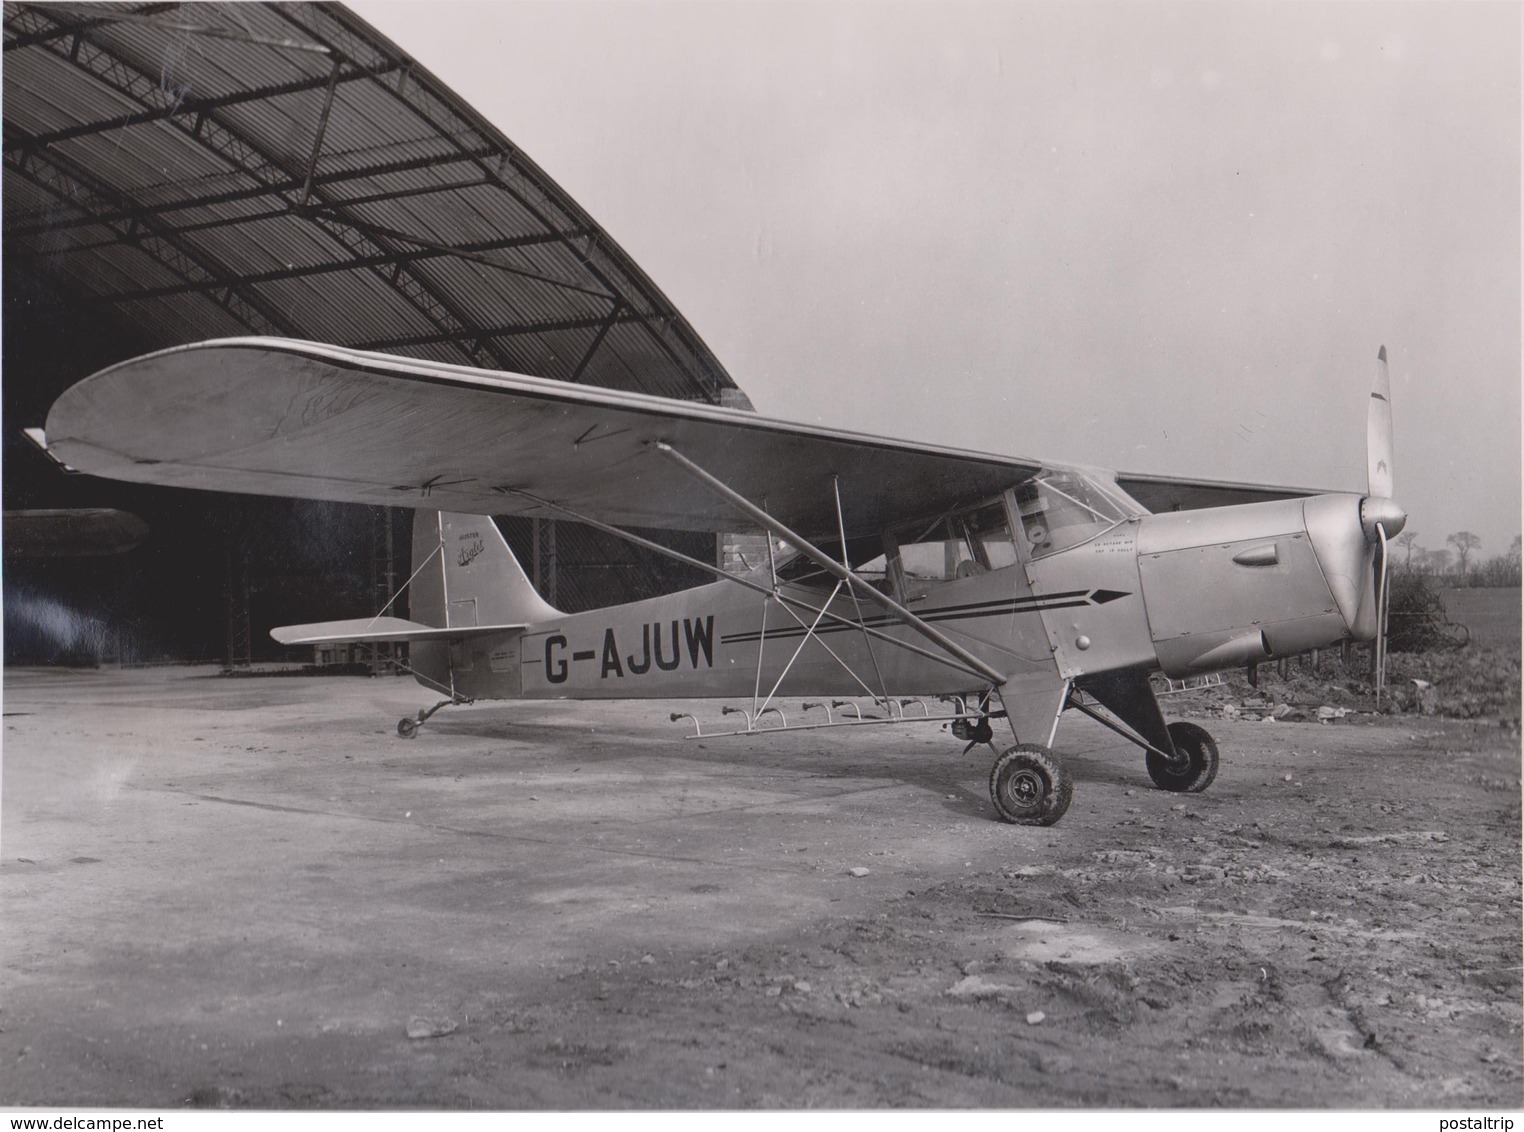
379, 630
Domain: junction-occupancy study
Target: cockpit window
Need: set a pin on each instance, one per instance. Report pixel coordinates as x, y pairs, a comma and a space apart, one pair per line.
962, 545
1061, 508
863, 555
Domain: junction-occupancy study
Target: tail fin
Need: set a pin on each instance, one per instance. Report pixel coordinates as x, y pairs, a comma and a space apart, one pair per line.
466, 575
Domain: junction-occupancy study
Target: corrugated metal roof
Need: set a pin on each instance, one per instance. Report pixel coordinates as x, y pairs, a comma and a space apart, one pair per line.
192, 171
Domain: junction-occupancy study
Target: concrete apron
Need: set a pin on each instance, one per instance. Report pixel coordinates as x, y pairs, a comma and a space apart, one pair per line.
204, 859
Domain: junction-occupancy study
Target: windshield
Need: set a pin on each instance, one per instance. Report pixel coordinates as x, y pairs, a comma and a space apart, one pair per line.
1063, 507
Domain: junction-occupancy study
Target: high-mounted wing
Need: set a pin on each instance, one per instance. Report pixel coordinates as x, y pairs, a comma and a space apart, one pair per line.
269, 416
1160, 493
272, 416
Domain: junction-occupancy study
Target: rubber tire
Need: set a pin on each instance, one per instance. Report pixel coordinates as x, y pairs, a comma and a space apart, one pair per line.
1029, 786
1197, 745
407, 728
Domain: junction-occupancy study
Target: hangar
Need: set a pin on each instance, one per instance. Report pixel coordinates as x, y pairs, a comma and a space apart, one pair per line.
175, 173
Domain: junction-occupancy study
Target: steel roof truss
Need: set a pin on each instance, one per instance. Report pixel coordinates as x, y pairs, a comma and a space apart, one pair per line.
603, 330
193, 106
50, 31
506, 161
635, 335
75, 187
623, 316
176, 230
394, 259
100, 17
277, 191
320, 133
469, 252
246, 156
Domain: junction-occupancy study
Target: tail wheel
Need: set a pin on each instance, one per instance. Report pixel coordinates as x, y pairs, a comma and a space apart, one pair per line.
1194, 770
407, 728
1029, 786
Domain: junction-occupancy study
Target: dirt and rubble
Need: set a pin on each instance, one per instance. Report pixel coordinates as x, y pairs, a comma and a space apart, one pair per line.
1471, 682
250, 894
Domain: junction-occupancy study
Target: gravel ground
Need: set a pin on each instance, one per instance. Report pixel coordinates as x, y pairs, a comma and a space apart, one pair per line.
247, 893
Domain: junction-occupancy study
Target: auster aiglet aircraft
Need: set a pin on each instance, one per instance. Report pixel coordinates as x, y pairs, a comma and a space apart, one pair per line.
997, 588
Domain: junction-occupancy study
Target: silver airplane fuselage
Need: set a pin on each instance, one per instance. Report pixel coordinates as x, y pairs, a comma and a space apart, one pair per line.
1183, 593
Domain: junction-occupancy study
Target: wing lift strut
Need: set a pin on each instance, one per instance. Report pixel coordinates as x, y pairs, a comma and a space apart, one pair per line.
969, 716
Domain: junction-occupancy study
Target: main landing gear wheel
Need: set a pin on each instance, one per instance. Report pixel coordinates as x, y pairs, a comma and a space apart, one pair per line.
407, 728
1194, 770
1029, 786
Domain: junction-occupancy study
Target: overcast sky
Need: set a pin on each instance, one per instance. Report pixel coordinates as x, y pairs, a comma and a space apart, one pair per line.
1157, 237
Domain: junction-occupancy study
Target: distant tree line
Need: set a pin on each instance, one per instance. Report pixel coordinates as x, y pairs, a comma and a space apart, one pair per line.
1459, 562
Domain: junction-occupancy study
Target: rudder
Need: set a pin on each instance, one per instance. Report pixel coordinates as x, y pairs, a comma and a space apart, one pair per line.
465, 575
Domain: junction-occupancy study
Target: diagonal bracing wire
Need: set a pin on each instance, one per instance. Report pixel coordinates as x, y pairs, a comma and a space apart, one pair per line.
746, 583
841, 528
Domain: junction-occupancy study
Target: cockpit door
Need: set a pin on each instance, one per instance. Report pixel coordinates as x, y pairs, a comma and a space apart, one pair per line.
1077, 542
960, 573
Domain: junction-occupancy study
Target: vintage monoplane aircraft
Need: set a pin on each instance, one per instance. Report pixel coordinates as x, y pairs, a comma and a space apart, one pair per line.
898, 571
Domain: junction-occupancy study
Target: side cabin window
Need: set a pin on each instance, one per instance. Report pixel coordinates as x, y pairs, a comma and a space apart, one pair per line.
863, 554
961, 545
1060, 509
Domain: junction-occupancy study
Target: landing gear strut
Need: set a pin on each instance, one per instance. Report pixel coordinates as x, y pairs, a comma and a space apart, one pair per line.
1029, 786
407, 726
1128, 696
1194, 768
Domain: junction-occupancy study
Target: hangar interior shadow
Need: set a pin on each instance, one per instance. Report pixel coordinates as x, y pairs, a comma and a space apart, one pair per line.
179, 174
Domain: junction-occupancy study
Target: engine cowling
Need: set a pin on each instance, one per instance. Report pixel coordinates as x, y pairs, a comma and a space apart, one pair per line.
1230, 586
